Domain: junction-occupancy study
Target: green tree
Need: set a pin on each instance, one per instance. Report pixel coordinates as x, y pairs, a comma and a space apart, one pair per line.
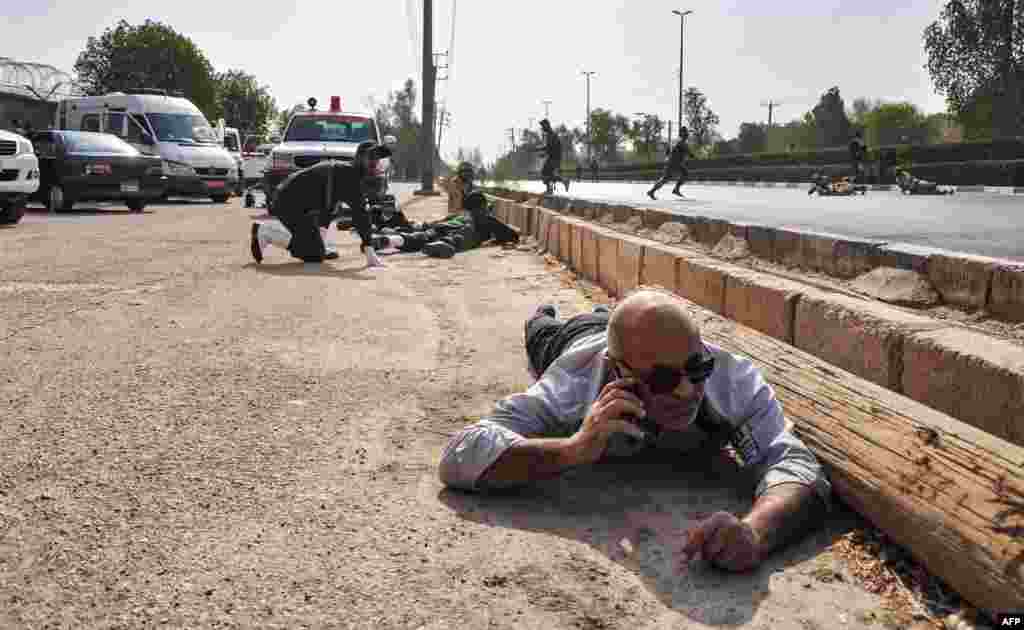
148, 55
753, 138
644, 132
976, 59
700, 120
243, 103
397, 116
607, 130
895, 123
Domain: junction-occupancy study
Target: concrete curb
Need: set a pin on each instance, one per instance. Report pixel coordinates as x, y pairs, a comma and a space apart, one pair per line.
998, 190
966, 374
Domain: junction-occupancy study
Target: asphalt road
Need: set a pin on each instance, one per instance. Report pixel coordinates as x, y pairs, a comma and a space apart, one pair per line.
977, 223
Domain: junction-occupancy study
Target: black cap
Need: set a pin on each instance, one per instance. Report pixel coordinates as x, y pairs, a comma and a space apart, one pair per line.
545, 122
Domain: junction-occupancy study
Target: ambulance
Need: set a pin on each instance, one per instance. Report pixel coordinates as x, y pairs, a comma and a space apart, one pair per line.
314, 135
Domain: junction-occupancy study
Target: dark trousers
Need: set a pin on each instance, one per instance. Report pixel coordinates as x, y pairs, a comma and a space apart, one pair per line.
670, 170
547, 338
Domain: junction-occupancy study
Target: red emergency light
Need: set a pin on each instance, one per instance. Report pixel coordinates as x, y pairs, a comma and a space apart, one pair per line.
335, 103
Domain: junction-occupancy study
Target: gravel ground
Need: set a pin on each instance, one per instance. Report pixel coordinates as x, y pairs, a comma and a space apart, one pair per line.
191, 440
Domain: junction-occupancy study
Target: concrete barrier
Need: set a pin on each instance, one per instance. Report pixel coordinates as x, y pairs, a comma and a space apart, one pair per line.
702, 280
540, 228
660, 266
852, 258
1006, 299
705, 231
860, 336
576, 245
904, 256
622, 213
588, 253
961, 280
653, 218
786, 247
763, 302
629, 263
554, 235
970, 376
607, 260
761, 240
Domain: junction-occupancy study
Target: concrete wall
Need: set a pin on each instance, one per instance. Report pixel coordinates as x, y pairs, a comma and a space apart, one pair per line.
966, 374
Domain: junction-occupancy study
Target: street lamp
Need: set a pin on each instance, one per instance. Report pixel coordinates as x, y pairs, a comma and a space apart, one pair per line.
682, 21
590, 140
547, 108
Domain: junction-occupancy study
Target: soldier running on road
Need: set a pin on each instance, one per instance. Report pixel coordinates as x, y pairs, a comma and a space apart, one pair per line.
676, 162
550, 172
858, 150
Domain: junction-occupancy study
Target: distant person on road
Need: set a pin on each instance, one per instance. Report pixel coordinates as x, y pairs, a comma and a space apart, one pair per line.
858, 151
308, 201
916, 186
676, 163
634, 380
579, 172
551, 171
594, 167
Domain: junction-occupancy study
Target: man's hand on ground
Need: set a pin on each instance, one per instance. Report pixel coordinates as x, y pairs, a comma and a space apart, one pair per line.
725, 541
607, 415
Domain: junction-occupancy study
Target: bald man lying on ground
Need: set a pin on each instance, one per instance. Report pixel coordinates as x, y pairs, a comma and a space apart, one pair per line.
642, 378
307, 201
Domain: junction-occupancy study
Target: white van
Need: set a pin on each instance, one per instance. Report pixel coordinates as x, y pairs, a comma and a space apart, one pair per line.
195, 161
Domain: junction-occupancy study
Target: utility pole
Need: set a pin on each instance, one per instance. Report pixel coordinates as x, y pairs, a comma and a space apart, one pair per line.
682, 21
590, 139
444, 122
547, 108
771, 105
427, 147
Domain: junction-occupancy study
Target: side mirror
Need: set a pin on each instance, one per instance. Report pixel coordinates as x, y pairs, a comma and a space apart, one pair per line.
390, 141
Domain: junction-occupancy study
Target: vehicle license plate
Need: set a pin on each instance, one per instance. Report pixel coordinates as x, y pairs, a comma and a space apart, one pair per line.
130, 187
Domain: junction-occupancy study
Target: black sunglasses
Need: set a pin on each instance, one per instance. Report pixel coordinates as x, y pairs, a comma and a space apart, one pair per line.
664, 379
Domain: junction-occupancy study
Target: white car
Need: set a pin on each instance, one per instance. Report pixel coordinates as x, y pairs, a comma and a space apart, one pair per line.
19, 175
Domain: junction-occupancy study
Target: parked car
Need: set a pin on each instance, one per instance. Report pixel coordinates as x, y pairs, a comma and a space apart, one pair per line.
88, 166
19, 175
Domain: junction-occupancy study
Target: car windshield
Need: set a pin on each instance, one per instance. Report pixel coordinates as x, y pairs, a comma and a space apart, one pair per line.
182, 128
230, 142
330, 129
98, 143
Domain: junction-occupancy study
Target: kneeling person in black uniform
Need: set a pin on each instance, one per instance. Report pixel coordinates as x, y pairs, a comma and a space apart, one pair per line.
306, 203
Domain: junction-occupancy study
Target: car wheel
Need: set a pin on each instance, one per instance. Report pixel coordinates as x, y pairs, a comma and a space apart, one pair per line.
55, 199
136, 205
11, 212
220, 198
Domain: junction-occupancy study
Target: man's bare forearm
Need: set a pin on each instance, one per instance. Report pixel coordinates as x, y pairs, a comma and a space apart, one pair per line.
783, 513
532, 460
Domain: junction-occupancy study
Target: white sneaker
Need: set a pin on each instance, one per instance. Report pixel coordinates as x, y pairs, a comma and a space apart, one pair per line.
372, 259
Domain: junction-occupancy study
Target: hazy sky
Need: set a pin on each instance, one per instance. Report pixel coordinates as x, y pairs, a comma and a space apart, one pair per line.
510, 56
